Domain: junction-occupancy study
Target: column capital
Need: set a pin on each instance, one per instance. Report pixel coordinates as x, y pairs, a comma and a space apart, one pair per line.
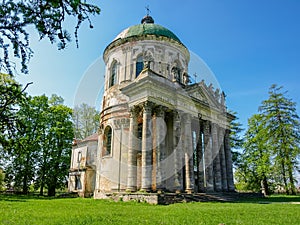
187, 117
134, 111
159, 111
214, 126
147, 107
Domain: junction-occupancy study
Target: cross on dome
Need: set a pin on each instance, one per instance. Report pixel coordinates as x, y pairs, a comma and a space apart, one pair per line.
147, 18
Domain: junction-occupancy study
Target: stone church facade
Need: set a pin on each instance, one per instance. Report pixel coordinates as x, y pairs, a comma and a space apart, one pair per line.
158, 132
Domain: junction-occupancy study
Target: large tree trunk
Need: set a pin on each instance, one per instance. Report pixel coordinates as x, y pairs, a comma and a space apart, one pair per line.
42, 183
284, 177
265, 186
25, 178
51, 190
291, 178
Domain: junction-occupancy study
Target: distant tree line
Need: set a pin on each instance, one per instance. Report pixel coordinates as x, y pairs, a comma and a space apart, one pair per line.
268, 155
36, 138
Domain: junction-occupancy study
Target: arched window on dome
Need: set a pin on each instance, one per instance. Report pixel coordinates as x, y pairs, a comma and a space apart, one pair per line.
113, 74
139, 65
107, 141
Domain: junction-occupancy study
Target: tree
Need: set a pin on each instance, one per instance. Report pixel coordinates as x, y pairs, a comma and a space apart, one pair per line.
11, 96
282, 127
47, 17
85, 120
39, 151
2, 176
24, 144
60, 137
236, 140
55, 147
255, 167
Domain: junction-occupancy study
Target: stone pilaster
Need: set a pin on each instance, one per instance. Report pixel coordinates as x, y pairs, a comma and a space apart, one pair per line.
223, 159
216, 158
178, 184
132, 150
147, 147
188, 154
228, 156
160, 147
209, 179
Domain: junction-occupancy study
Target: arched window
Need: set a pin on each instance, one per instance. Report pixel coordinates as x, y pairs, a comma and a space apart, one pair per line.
107, 141
139, 65
113, 74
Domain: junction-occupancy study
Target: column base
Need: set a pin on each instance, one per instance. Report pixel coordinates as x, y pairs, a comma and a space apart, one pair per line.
209, 189
132, 189
161, 190
189, 191
145, 190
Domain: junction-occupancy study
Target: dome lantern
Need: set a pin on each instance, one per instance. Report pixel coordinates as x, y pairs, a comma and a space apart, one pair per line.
147, 19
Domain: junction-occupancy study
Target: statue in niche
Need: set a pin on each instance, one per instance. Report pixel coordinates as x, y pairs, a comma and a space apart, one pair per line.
148, 58
186, 79
176, 74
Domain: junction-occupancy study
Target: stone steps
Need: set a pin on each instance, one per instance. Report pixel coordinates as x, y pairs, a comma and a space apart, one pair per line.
170, 198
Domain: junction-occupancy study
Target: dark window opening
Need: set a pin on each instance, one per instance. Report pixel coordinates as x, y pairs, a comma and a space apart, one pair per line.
139, 66
113, 75
107, 141
78, 185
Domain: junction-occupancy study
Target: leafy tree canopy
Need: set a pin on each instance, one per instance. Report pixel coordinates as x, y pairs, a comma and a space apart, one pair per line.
47, 17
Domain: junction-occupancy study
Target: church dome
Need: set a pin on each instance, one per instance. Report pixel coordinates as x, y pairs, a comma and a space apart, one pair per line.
145, 29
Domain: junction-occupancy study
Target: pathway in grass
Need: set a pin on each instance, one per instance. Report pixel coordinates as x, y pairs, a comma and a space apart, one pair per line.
22, 210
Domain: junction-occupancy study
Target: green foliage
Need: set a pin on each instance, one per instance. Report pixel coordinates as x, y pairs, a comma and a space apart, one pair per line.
255, 168
2, 176
85, 120
38, 146
11, 96
90, 211
283, 129
60, 137
271, 148
47, 16
236, 140
25, 143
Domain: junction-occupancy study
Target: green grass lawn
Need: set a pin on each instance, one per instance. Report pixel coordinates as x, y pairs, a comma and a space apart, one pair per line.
29, 210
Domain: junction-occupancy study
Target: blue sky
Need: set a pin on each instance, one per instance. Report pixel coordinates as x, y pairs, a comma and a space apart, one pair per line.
249, 45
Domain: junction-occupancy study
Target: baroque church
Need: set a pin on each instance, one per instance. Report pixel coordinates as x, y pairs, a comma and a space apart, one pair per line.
158, 132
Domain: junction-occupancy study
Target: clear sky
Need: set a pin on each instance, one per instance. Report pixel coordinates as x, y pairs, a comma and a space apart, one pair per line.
248, 44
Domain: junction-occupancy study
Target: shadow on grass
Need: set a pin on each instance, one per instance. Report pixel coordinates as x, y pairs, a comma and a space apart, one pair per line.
271, 199
22, 197
284, 198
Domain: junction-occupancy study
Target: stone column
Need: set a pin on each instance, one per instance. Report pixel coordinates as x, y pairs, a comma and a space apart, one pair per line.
160, 147
188, 155
209, 179
223, 159
216, 158
228, 156
200, 161
147, 147
132, 149
177, 145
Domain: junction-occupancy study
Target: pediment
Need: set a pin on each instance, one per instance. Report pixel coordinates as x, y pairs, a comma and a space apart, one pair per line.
199, 95
203, 94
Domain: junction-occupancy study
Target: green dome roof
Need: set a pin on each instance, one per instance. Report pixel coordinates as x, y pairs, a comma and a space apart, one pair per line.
147, 29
